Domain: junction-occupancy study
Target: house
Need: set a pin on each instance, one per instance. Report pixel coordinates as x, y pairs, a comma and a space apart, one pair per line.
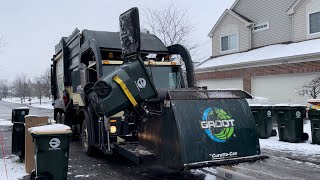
267, 48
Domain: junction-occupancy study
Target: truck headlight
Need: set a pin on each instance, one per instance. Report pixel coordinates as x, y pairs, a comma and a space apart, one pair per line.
113, 129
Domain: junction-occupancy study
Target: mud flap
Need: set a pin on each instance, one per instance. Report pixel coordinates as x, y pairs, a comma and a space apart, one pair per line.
214, 126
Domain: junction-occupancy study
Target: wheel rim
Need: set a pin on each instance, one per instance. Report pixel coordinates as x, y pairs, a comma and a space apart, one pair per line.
85, 138
62, 118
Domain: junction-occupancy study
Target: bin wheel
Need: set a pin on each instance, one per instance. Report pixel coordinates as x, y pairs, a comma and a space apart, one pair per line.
274, 132
305, 136
33, 175
86, 146
41, 178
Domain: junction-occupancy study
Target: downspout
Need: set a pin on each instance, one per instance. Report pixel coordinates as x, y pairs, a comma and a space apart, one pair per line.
292, 27
250, 35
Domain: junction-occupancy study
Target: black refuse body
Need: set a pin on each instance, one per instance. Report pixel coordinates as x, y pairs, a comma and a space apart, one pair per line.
290, 122
263, 118
51, 151
314, 116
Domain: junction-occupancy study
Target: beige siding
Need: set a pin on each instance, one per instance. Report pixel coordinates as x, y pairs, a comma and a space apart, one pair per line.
272, 11
230, 24
300, 32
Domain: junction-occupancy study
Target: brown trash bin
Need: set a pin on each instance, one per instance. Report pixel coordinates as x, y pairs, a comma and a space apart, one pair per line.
31, 121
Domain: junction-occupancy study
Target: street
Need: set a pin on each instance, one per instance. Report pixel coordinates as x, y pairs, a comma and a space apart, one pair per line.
280, 165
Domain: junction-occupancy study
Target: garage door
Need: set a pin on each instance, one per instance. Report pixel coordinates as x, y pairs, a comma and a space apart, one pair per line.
281, 88
222, 84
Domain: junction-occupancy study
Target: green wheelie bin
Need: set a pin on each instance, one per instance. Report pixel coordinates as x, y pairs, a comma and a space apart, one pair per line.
18, 133
290, 122
51, 151
263, 117
314, 116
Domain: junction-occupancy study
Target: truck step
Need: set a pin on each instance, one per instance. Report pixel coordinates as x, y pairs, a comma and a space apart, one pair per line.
134, 152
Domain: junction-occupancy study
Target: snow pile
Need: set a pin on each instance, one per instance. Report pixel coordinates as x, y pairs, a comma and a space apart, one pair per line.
46, 103
55, 128
5, 122
258, 101
15, 169
207, 171
265, 53
296, 148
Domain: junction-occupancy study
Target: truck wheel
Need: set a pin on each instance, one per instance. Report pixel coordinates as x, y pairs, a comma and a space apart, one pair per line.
86, 145
60, 118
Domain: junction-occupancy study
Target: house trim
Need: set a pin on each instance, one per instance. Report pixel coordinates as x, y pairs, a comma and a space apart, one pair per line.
266, 62
293, 7
234, 4
233, 14
247, 73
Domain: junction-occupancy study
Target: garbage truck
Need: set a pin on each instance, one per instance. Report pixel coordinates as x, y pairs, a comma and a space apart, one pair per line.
127, 93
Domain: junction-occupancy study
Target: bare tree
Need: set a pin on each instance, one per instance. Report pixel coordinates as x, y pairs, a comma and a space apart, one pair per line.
47, 83
37, 87
311, 88
22, 86
172, 25
2, 42
4, 89
41, 85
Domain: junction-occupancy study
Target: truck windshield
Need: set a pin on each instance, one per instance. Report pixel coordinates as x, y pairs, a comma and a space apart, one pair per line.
162, 76
165, 76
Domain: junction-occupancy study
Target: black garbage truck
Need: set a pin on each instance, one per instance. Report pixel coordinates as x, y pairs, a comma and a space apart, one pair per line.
127, 93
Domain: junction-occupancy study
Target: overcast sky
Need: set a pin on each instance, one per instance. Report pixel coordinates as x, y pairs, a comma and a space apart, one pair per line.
33, 27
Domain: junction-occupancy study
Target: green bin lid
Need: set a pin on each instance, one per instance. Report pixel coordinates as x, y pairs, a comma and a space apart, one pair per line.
50, 129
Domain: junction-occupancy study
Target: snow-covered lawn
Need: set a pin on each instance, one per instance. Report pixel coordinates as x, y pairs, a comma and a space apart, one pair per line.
304, 148
11, 168
5, 122
46, 103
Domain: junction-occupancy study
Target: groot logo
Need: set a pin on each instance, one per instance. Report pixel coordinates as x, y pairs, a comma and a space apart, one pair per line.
218, 124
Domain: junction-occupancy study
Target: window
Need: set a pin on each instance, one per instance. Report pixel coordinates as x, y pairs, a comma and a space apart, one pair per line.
229, 42
261, 27
314, 23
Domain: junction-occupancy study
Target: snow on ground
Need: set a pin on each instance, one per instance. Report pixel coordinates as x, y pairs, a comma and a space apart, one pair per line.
265, 53
5, 122
13, 167
205, 171
304, 148
81, 176
46, 103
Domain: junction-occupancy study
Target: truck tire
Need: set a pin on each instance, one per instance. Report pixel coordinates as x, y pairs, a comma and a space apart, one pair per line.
85, 136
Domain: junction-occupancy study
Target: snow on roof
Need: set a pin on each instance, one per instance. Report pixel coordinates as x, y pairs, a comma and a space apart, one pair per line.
50, 129
264, 54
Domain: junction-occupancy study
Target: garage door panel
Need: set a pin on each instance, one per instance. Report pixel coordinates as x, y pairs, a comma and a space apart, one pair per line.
281, 88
